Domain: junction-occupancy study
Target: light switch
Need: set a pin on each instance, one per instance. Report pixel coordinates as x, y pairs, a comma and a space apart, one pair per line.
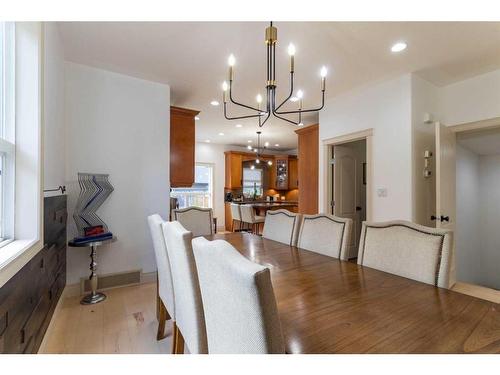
382, 192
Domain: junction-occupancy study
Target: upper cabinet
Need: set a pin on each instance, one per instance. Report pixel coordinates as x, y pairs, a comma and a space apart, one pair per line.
293, 173
234, 170
279, 180
308, 169
182, 145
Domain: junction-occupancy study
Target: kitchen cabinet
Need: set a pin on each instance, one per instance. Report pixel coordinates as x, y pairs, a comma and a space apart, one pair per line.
308, 169
182, 146
279, 180
293, 173
234, 170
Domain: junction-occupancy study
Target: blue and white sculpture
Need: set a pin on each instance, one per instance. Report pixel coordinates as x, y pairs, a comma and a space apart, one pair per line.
94, 190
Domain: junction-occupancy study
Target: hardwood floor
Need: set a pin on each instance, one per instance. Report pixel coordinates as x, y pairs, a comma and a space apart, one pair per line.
477, 291
124, 323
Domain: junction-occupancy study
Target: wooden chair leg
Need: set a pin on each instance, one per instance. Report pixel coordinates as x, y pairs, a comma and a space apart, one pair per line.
179, 341
232, 226
163, 316
174, 337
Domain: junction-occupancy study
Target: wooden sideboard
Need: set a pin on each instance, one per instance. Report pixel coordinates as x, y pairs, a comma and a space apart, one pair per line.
28, 299
182, 146
308, 169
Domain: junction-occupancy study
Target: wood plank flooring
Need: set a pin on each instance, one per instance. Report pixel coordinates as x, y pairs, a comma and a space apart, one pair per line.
477, 291
122, 324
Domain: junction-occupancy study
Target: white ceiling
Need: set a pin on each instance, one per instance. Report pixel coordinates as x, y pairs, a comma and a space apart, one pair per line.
191, 58
485, 142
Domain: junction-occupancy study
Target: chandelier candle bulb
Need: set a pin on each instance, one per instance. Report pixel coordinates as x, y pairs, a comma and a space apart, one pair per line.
291, 52
323, 78
224, 88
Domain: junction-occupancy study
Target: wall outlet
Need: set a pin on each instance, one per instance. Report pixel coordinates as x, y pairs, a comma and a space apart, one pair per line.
382, 192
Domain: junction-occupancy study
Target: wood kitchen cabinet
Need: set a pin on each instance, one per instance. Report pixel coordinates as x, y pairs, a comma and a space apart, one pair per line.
182, 146
308, 168
293, 173
234, 170
279, 178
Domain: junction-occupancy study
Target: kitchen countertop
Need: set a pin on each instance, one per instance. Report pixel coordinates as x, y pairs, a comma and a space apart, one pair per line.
268, 204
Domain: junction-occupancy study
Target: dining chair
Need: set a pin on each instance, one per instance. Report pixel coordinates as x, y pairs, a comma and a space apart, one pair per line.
165, 299
407, 249
282, 226
189, 317
248, 216
238, 300
325, 234
197, 220
236, 214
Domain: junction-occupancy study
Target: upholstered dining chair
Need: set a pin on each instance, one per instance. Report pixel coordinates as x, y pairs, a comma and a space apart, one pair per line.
197, 220
235, 213
238, 299
410, 250
189, 317
325, 234
282, 226
248, 216
165, 301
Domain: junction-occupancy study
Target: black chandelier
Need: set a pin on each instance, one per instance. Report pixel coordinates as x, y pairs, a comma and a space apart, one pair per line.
258, 150
271, 106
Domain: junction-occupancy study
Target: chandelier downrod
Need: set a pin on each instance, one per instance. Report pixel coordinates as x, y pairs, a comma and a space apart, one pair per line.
271, 39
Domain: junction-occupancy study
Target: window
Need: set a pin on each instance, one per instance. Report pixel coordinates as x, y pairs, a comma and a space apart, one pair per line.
7, 148
201, 193
252, 182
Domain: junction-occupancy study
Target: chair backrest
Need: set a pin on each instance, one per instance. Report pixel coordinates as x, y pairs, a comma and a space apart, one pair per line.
235, 211
197, 220
189, 314
409, 250
165, 285
240, 308
282, 226
247, 213
325, 234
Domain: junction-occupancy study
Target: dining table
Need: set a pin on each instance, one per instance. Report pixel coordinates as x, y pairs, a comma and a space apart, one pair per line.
327, 305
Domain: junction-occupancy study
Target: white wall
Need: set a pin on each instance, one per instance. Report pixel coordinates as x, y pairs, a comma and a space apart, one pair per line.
473, 99
54, 133
489, 219
385, 107
118, 125
467, 222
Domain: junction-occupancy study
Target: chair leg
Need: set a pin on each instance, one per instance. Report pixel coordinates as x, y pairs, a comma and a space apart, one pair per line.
163, 317
174, 337
179, 341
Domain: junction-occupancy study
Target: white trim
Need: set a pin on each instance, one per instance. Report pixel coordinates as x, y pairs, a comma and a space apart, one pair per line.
366, 134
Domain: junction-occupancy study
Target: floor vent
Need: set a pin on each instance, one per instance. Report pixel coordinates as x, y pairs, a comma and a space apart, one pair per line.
112, 280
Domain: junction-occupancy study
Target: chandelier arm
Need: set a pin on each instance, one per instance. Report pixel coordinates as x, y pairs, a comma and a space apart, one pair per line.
304, 110
237, 103
238, 117
285, 119
265, 120
289, 95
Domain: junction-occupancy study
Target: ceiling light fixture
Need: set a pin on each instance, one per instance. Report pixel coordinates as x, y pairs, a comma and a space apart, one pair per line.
196, 118
214, 103
238, 125
207, 140
260, 149
271, 107
276, 145
398, 47
221, 133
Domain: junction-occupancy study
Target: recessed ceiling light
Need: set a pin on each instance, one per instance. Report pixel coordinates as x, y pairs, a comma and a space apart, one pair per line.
196, 118
266, 144
221, 133
249, 147
207, 140
276, 145
214, 102
238, 125
294, 99
249, 141
398, 47
300, 124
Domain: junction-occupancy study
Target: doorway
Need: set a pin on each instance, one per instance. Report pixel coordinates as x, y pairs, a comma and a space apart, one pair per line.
468, 202
348, 187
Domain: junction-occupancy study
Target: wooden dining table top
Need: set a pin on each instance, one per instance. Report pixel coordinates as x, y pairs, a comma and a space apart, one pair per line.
331, 306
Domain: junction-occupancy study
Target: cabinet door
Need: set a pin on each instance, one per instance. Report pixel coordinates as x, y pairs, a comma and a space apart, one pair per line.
293, 173
281, 182
182, 144
234, 171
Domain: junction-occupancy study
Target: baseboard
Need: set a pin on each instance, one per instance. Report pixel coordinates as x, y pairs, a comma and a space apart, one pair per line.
78, 289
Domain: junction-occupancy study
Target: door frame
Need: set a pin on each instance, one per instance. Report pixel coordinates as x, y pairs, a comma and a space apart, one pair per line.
327, 144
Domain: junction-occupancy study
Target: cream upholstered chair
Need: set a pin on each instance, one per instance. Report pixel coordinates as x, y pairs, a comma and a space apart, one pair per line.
197, 220
238, 299
165, 301
409, 250
236, 214
282, 226
325, 234
248, 216
189, 317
